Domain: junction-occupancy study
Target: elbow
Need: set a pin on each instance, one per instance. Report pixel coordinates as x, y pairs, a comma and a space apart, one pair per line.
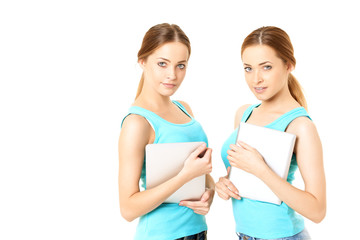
127, 215
319, 216
317, 219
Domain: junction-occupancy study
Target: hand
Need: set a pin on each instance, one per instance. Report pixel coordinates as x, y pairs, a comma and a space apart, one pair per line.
202, 206
246, 158
195, 165
225, 188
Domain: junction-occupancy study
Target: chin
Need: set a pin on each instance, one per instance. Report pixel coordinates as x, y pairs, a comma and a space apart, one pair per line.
260, 97
263, 96
167, 93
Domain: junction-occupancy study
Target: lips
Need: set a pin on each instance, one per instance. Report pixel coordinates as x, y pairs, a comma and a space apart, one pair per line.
260, 89
168, 85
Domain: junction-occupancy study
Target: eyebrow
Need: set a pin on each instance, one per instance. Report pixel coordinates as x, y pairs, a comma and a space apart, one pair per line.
259, 63
183, 61
264, 63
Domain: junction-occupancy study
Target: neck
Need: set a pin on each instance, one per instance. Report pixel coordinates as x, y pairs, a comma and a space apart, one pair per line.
282, 101
152, 100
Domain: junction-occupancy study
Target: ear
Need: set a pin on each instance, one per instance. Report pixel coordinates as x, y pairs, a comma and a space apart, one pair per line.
290, 67
141, 63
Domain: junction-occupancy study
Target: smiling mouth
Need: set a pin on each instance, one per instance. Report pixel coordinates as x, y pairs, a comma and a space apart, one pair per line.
260, 89
169, 85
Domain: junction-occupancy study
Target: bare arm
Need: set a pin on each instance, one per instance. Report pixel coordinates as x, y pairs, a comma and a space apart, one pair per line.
134, 136
224, 187
310, 202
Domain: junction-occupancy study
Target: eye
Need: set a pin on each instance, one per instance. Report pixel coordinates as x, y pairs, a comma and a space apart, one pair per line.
267, 67
181, 66
247, 69
162, 64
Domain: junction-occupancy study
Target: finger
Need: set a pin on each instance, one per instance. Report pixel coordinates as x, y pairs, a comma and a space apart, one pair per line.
234, 147
230, 152
232, 193
221, 194
226, 194
232, 161
201, 212
200, 209
199, 150
230, 189
235, 151
191, 204
207, 154
205, 197
245, 145
224, 187
188, 206
231, 156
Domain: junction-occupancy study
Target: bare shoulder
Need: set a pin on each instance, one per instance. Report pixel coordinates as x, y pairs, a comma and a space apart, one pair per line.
135, 121
307, 136
302, 126
135, 129
187, 107
239, 113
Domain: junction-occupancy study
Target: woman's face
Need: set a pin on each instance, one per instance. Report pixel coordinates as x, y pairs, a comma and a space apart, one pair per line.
165, 68
265, 73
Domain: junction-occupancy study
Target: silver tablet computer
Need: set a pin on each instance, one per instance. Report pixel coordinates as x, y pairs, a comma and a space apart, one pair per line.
276, 147
164, 161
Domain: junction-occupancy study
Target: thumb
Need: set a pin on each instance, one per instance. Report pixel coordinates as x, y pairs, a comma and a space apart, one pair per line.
205, 196
199, 150
207, 153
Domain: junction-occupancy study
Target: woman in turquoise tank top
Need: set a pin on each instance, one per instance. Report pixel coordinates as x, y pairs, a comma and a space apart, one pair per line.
268, 59
155, 118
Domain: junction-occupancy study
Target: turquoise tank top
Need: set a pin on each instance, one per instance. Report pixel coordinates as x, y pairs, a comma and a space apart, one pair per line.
261, 219
169, 220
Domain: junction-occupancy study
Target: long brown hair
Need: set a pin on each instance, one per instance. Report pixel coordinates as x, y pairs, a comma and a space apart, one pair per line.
278, 40
155, 37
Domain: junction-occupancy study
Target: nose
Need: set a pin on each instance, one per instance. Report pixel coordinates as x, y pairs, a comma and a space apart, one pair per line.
257, 77
171, 74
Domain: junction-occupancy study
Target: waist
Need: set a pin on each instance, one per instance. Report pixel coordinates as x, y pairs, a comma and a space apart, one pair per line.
266, 220
170, 221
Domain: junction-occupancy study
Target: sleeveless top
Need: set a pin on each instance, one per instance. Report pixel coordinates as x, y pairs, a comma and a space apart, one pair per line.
261, 219
169, 220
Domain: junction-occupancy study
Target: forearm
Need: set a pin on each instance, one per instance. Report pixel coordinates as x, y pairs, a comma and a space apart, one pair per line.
303, 202
134, 203
140, 203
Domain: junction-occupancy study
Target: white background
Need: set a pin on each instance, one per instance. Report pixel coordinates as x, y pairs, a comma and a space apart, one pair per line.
68, 75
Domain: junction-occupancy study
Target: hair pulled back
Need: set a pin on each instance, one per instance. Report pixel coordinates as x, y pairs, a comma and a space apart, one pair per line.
155, 37
278, 40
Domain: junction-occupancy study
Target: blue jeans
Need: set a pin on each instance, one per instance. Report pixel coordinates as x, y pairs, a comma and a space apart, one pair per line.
198, 236
304, 235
